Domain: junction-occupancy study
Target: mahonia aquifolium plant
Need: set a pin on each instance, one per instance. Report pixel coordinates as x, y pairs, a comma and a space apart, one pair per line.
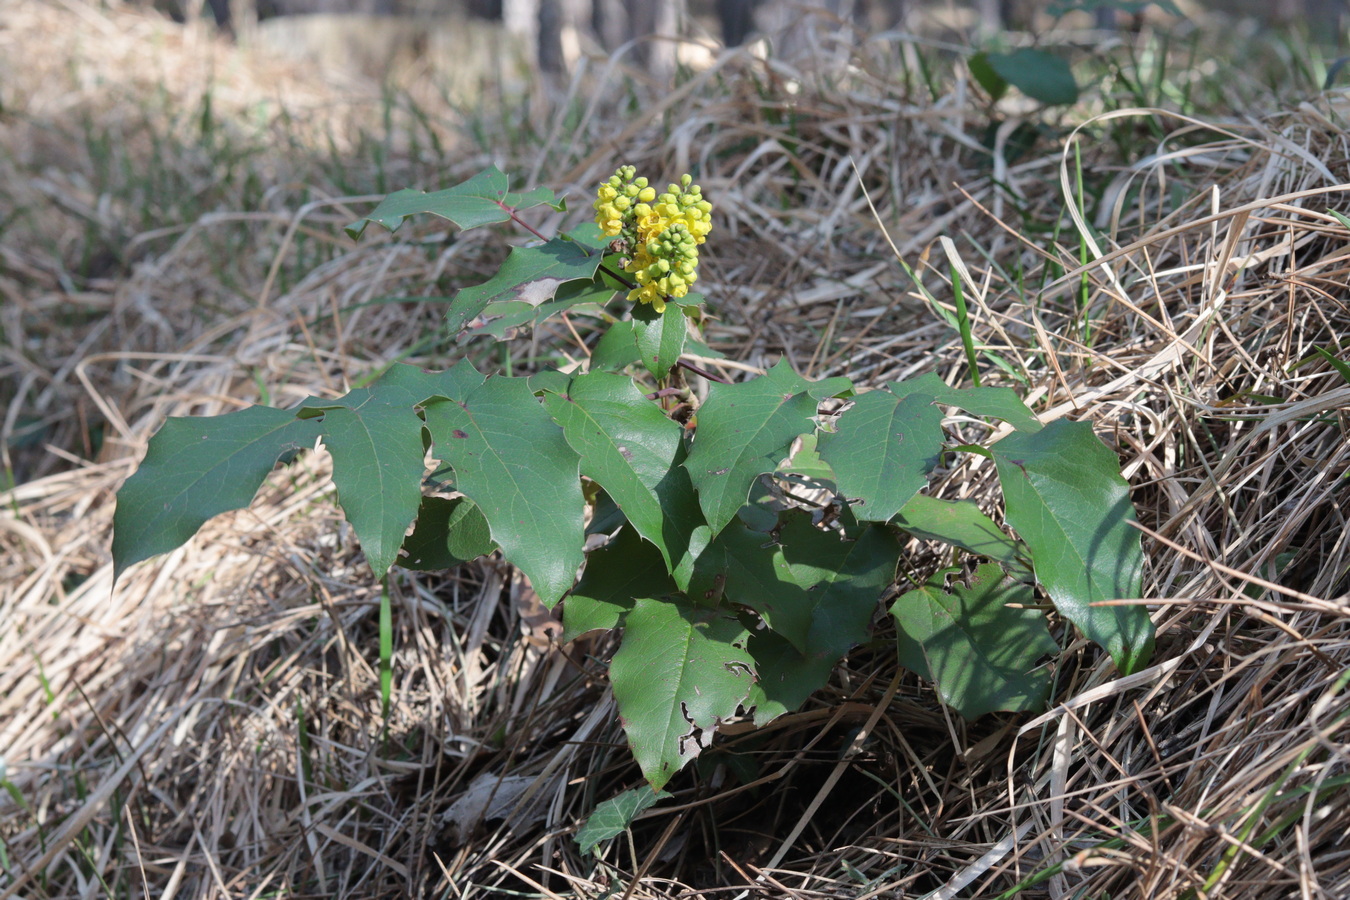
694, 527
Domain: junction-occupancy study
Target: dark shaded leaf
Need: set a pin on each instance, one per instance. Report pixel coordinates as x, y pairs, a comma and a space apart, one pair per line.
981, 655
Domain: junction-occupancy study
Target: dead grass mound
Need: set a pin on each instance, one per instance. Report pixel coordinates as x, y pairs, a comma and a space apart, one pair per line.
213, 727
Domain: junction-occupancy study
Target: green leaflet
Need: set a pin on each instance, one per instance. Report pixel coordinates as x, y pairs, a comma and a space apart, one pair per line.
679, 672
197, 468
980, 655
633, 451
784, 676
813, 587
745, 430
882, 450
659, 337
448, 532
482, 200
1067, 500
995, 402
512, 461
959, 523
622, 571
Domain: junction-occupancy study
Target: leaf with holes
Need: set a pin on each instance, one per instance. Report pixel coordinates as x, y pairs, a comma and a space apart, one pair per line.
1066, 499
513, 462
482, 200
981, 654
680, 671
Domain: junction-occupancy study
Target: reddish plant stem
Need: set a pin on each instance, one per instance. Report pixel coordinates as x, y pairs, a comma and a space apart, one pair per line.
700, 372
534, 231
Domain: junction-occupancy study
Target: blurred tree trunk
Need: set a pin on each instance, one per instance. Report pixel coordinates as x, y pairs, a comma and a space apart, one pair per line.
737, 18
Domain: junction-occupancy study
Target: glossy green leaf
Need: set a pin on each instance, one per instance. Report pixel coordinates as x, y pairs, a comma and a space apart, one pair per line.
994, 402
659, 337
1040, 75
375, 437
1066, 499
513, 462
633, 451
616, 349
448, 532
197, 468
622, 571
745, 430
680, 671
785, 677
613, 817
482, 200
980, 654
959, 523
882, 450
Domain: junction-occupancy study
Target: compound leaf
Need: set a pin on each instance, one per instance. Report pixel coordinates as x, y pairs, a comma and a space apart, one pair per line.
196, 468
633, 451
744, 431
882, 450
482, 200
512, 461
1066, 499
613, 817
980, 654
679, 672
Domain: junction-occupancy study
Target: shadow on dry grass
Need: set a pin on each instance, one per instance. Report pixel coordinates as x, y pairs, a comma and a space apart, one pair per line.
213, 727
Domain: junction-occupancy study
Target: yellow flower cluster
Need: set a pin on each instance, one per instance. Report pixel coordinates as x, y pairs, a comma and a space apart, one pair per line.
659, 234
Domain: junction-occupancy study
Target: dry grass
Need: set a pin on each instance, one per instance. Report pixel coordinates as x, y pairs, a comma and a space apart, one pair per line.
213, 727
